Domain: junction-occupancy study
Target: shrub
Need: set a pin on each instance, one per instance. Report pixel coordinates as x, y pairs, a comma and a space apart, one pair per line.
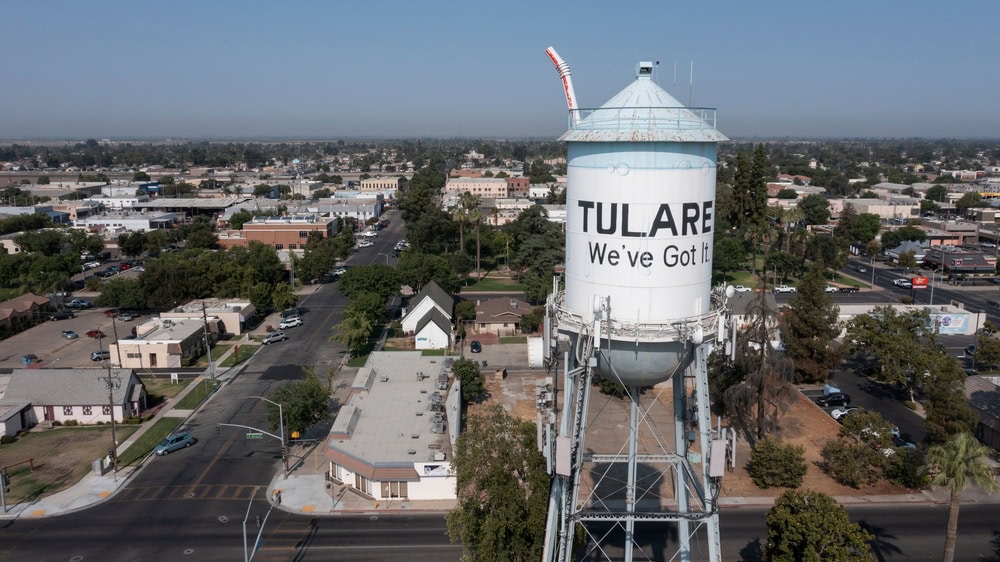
906, 468
910, 404
56, 423
774, 464
71, 422
6, 439
851, 463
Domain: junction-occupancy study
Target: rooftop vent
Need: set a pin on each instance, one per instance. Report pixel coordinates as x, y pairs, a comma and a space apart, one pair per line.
411, 452
414, 436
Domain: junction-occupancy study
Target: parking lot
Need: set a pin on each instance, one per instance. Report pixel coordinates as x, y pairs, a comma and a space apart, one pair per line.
53, 350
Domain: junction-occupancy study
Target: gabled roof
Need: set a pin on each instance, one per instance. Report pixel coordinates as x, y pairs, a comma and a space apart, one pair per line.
436, 317
434, 291
984, 397
501, 308
67, 387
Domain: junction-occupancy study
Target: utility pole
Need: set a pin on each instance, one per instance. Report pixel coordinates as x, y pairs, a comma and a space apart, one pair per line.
113, 382
208, 347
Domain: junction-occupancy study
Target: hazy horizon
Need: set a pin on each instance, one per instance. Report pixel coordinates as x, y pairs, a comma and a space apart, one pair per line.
393, 70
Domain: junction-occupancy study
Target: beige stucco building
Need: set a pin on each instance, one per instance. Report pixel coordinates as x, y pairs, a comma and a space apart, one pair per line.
160, 344
381, 184
485, 188
235, 315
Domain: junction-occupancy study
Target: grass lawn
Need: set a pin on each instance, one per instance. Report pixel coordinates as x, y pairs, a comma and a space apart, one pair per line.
145, 443
160, 388
245, 352
358, 361
514, 339
432, 352
61, 456
196, 396
494, 284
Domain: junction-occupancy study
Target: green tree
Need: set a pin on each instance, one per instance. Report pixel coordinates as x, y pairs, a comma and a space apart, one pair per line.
946, 404
377, 278
467, 372
787, 193
124, 293
132, 243
239, 218
958, 462
815, 209
936, 193
502, 487
907, 260
774, 464
140, 176
369, 305
896, 341
283, 297
811, 328
416, 270
808, 526
987, 350
304, 403
729, 254
42, 180
970, 200
354, 331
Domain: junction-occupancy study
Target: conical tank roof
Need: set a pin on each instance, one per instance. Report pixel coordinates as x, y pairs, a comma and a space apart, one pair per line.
643, 112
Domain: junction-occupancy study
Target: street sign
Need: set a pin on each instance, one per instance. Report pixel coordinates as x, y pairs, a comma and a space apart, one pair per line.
254, 435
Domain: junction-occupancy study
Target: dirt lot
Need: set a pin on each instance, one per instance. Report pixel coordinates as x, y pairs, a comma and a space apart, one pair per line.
804, 424
61, 456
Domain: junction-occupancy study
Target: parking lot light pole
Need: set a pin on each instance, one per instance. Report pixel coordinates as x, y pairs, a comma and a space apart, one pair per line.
281, 429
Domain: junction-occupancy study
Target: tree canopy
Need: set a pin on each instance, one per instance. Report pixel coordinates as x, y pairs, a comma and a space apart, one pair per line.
808, 526
503, 489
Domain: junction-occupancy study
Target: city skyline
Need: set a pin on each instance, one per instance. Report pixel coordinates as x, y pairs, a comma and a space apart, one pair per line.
317, 70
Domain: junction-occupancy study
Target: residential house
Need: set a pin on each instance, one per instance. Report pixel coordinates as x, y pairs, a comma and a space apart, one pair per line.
431, 296
433, 331
501, 316
393, 438
34, 395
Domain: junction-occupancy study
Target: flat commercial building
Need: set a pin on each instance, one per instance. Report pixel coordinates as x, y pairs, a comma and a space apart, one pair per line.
283, 233
381, 184
394, 437
485, 188
235, 315
160, 343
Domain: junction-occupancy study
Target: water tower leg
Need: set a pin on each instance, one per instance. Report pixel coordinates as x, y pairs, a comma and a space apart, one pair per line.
630, 495
704, 408
680, 470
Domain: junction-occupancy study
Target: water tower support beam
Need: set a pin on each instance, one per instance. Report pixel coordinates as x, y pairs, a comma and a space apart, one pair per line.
630, 494
704, 413
680, 475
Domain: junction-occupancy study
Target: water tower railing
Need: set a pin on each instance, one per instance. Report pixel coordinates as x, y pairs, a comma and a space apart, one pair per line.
642, 118
675, 330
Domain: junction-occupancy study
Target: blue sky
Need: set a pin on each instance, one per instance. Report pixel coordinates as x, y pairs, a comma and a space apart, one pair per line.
477, 69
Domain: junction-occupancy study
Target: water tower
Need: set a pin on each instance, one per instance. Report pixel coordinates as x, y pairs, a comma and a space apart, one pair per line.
637, 310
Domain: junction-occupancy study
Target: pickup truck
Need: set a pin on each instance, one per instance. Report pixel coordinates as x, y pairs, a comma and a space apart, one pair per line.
742, 289
784, 289
902, 283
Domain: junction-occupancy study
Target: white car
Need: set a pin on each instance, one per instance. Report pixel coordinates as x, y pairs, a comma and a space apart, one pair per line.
840, 413
290, 323
784, 289
903, 283
92, 265
831, 289
742, 289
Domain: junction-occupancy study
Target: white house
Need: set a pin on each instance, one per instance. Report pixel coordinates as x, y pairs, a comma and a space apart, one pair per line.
431, 297
35, 395
433, 331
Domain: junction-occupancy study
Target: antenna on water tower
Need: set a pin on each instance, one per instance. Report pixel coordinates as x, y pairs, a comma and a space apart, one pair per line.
691, 85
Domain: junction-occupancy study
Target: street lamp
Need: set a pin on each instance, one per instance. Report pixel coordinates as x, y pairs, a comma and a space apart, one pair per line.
281, 429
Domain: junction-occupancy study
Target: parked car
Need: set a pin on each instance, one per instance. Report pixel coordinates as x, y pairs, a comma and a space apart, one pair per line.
79, 303
834, 399
831, 289
173, 443
784, 289
111, 313
848, 289
92, 265
475, 346
970, 349
274, 337
102, 355
126, 317
290, 323
742, 289
70, 334
62, 315
840, 413
96, 334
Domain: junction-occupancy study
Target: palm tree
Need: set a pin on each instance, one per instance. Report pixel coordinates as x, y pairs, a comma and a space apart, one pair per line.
354, 331
955, 463
759, 236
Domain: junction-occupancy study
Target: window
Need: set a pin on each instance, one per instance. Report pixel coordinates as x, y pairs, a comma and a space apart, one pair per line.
88, 411
482, 324
303, 234
67, 410
394, 490
279, 246
133, 355
362, 484
106, 410
291, 246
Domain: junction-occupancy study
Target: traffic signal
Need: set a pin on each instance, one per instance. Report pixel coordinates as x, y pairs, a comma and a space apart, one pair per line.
6, 482
218, 430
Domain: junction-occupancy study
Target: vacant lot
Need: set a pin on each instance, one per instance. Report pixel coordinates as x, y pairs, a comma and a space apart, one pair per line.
61, 456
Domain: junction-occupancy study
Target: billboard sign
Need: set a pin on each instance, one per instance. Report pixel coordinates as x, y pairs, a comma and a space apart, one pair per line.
919, 282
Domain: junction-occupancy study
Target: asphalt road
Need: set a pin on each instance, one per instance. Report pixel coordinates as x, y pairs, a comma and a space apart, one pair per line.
191, 503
